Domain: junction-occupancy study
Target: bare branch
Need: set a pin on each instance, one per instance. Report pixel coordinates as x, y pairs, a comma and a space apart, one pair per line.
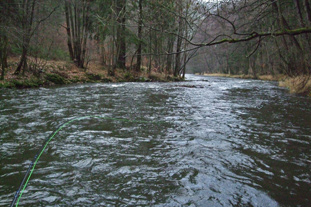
254, 35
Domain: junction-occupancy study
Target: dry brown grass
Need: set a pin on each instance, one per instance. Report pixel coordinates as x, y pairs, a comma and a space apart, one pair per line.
157, 76
260, 77
299, 85
231, 76
271, 77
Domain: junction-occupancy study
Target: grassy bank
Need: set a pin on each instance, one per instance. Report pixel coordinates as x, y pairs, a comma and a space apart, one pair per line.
49, 73
298, 85
260, 77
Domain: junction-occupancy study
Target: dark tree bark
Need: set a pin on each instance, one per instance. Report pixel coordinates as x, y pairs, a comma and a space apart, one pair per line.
139, 34
3, 38
169, 58
308, 10
298, 6
68, 30
301, 20
178, 49
121, 30
3, 53
150, 50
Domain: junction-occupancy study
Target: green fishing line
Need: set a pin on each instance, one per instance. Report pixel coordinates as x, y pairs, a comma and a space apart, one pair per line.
32, 166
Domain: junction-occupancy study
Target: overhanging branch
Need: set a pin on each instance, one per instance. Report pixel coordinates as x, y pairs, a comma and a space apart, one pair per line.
255, 35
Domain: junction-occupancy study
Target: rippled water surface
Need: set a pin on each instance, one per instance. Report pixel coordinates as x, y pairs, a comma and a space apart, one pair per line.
205, 142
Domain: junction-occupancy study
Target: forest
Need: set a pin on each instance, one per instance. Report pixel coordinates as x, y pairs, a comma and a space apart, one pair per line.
66, 39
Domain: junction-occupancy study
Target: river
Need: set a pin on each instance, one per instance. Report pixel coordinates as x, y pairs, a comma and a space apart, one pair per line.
209, 141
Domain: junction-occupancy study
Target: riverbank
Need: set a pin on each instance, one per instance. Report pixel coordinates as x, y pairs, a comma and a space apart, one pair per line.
49, 73
298, 85
260, 77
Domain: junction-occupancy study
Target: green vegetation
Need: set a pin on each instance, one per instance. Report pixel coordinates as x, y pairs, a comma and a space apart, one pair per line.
16, 83
55, 78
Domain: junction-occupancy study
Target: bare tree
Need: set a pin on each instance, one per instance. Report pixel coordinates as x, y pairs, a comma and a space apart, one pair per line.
255, 25
77, 27
26, 12
27, 24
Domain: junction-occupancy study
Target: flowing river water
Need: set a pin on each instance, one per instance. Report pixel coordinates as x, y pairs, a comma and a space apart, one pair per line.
208, 141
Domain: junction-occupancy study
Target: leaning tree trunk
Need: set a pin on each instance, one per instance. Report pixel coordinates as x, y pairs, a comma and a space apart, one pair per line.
22, 65
179, 44
68, 30
178, 51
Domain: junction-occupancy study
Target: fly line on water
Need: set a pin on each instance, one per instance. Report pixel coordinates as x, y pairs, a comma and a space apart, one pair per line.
32, 165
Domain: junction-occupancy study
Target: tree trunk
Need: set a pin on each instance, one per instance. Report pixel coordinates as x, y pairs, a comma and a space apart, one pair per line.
308, 10
68, 30
3, 42
169, 58
177, 57
140, 24
3, 54
23, 62
85, 26
297, 2
2, 72
178, 50
179, 43
301, 20
113, 39
183, 72
121, 45
150, 50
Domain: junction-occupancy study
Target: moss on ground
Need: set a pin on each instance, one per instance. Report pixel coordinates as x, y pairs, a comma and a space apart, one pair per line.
55, 78
16, 83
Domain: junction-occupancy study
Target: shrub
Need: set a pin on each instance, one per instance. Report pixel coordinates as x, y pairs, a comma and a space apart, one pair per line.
54, 78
